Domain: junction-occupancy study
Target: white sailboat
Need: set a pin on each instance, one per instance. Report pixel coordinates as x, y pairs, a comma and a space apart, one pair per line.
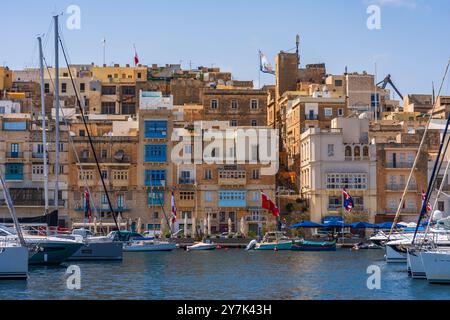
13, 250
436, 264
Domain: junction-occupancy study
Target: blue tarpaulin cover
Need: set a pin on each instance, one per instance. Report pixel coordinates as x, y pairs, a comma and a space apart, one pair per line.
307, 224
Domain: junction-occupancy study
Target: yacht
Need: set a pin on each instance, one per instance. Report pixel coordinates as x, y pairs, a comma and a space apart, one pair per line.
148, 246
95, 248
436, 264
397, 250
44, 250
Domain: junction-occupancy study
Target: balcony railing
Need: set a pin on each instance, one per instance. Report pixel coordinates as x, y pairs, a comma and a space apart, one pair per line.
311, 117
34, 202
38, 155
402, 211
401, 187
104, 209
399, 165
340, 208
14, 155
125, 159
255, 219
186, 181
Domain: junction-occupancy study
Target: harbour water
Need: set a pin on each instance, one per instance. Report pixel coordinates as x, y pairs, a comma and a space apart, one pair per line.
228, 274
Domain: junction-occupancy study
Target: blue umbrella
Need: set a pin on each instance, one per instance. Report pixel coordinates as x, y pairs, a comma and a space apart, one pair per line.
336, 224
362, 225
307, 224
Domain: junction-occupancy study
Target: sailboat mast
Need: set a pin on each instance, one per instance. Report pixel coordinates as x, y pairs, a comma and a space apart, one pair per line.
44, 134
57, 107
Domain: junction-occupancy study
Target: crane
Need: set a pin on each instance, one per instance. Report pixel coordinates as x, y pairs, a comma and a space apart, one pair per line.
387, 81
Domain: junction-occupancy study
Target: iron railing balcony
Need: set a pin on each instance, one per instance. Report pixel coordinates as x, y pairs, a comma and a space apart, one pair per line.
186, 181
401, 187
399, 165
14, 155
392, 211
311, 117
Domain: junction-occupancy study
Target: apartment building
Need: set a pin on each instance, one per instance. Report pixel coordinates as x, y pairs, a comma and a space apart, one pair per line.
115, 144
155, 170
229, 190
239, 106
306, 112
21, 159
396, 151
335, 158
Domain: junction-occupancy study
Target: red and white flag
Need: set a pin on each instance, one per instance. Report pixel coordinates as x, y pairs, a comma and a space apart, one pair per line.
136, 58
174, 210
268, 204
424, 197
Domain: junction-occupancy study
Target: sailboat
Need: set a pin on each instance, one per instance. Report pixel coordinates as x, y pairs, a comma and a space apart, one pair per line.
411, 248
13, 251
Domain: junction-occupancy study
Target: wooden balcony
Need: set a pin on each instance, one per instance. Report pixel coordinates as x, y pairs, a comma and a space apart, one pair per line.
232, 177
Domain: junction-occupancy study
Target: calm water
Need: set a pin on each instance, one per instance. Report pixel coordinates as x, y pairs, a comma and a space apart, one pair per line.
233, 274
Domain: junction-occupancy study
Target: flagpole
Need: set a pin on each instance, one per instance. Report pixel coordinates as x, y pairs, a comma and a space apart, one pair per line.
259, 70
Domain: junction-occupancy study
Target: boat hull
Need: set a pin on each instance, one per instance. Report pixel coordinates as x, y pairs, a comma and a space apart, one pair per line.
94, 251
150, 247
274, 246
13, 263
203, 247
53, 253
415, 265
394, 255
437, 266
314, 246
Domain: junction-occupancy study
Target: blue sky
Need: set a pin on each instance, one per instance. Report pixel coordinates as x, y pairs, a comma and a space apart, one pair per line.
412, 44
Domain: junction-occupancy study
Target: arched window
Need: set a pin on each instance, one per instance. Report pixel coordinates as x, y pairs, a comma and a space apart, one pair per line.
357, 152
365, 151
348, 151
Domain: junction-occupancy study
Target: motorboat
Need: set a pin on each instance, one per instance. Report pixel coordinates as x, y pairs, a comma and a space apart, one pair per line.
274, 241
13, 261
95, 248
149, 246
44, 250
202, 246
304, 245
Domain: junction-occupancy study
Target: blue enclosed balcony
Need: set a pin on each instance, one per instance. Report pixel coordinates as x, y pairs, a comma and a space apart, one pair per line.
155, 129
232, 199
155, 153
155, 178
14, 171
155, 198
